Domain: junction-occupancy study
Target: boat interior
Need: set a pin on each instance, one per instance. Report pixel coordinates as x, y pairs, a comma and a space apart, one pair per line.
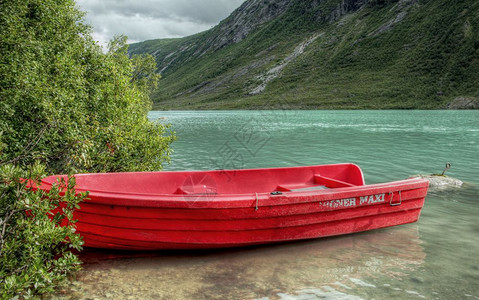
244, 181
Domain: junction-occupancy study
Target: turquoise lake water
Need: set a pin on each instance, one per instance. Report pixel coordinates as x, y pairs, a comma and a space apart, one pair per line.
435, 258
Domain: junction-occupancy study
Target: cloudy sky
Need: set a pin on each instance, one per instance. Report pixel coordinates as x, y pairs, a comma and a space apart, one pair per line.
151, 19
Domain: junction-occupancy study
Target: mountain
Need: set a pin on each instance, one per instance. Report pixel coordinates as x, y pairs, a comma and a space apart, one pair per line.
325, 54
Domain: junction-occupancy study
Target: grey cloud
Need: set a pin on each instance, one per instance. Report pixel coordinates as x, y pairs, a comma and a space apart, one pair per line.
149, 19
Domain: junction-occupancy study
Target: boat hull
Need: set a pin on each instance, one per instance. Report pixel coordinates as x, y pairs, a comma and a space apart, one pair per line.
192, 223
217, 209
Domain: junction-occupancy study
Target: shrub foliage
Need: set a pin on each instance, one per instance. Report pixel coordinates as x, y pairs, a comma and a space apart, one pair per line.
35, 251
72, 108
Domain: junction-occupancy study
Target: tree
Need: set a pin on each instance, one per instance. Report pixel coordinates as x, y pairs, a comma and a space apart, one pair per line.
65, 102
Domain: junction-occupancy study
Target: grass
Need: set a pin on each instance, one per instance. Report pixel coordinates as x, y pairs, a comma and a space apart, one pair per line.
424, 61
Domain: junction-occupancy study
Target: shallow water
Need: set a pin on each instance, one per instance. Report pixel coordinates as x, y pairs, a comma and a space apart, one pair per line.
435, 258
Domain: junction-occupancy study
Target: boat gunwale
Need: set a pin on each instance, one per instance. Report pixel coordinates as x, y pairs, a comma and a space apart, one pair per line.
247, 200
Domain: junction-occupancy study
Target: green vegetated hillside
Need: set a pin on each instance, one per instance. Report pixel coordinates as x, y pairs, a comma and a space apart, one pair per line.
325, 54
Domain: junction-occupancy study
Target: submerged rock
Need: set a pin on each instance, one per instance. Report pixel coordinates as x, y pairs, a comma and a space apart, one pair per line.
441, 181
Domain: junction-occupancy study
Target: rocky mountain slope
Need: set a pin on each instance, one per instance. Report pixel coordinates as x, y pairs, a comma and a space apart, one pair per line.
324, 54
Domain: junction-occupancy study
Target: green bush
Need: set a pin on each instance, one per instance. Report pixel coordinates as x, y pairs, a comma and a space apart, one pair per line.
35, 251
68, 104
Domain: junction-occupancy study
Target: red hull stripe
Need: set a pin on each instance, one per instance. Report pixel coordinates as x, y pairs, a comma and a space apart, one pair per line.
296, 206
191, 241
243, 224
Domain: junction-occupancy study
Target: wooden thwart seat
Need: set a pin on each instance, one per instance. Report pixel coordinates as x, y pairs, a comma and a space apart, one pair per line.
331, 182
319, 183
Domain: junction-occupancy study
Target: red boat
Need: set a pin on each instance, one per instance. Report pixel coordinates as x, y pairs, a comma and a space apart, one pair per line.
230, 208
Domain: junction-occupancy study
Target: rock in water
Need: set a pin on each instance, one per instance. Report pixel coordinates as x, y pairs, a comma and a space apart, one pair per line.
464, 103
440, 182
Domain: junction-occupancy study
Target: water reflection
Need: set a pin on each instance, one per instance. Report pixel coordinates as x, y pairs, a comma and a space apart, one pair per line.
332, 267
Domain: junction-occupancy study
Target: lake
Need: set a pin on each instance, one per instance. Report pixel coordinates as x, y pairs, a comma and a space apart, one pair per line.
435, 258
